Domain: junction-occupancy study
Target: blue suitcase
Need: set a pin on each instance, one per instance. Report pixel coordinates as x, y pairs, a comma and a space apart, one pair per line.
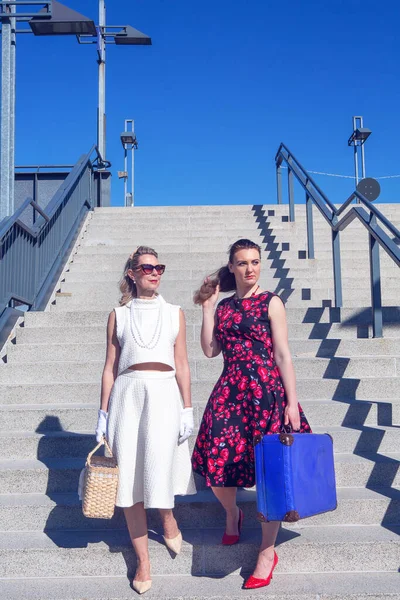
295, 476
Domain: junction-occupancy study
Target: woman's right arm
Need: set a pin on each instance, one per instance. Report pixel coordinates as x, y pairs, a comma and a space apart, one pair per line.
110, 370
209, 343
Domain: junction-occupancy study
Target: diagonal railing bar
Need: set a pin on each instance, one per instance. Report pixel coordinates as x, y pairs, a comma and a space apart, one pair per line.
372, 221
32, 256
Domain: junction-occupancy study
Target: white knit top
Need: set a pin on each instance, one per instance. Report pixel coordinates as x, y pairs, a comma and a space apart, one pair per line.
152, 320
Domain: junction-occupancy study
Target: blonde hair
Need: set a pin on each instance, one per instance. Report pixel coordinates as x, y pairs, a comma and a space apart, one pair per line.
223, 277
127, 286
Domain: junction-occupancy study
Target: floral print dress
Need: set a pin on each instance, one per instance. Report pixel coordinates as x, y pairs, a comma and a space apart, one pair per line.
248, 398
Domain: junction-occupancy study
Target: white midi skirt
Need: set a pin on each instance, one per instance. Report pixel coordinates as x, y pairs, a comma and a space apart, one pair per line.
143, 430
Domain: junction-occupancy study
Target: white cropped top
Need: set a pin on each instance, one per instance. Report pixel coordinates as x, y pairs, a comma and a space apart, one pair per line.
146, 332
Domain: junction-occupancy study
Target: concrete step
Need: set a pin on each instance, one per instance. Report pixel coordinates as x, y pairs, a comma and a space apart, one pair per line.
80, 414
378, 392
56, 511
146, 233
348, 317
313, 586
203, 369
210, 261
115, 276
327, 339
94, 246
332, 368
105, 244
56, 443
349, 340
305, 269
169, 231
313, 549
94, 347
320, 289
62, 474
193, 222
120, 212
294, 297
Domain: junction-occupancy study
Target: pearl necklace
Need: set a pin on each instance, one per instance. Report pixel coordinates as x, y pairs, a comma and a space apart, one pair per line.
155, 338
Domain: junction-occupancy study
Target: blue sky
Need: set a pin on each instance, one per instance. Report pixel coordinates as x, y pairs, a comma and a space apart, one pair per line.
223, 84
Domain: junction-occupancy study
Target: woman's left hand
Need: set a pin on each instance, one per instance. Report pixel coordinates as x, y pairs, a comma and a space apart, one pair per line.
292, 417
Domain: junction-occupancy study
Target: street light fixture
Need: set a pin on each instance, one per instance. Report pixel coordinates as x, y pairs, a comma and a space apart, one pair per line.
128, 137
53, 19
361, 134
129, 36
357, 139
63, 21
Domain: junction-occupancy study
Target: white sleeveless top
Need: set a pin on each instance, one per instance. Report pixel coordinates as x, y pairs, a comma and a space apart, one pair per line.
150, 335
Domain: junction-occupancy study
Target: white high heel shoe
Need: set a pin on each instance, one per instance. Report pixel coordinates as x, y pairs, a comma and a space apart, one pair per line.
141, 586
174, 544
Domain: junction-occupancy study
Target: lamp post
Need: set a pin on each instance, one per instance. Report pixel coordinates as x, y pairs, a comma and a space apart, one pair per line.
53, 19
357, 139
129, 142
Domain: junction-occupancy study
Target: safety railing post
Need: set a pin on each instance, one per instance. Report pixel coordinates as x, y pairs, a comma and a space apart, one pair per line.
310, 226
279, 183
337, 269
291, 195
375, 278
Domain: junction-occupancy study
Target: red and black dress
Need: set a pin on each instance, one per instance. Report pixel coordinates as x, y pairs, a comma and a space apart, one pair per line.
248, 398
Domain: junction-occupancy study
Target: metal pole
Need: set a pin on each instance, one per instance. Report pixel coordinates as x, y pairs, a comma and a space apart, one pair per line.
133, 169
337, 269
376, 292
279, 183
6, 83
310, 227
12, 111
101, 110
362, 152
291, 195
362, 162
357, 178
126, 173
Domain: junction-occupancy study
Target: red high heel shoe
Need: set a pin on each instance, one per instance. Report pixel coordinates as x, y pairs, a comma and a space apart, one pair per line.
229, 540
254, 582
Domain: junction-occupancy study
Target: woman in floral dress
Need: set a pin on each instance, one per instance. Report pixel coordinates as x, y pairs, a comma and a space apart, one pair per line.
255, 394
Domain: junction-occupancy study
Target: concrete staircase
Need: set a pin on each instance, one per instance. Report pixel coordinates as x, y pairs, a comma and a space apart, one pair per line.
348, 385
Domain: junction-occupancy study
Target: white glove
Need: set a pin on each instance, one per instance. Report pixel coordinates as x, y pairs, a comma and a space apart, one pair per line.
187, 424
101, 428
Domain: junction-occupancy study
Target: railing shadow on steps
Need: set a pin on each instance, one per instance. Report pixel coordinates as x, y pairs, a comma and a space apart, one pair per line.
385, 469
373, 221
382, 475
284, 284
31, 258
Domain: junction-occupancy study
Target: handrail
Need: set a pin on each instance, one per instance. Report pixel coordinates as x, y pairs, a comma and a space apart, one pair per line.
372, 221
308, 176
31, 257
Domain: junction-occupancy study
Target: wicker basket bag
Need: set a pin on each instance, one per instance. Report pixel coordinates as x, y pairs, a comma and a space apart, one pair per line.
100, 484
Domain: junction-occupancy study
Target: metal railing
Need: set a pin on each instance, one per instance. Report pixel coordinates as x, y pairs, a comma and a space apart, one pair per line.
31, 258
372, 221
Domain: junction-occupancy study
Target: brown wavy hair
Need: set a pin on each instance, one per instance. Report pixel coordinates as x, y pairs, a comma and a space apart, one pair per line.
126, 285
223, 276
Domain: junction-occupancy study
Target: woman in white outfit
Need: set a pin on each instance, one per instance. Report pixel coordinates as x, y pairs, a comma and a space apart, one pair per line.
145, 374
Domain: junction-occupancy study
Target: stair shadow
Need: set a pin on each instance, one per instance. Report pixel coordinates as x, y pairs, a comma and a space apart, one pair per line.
283, 286
346, 389
385, 469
